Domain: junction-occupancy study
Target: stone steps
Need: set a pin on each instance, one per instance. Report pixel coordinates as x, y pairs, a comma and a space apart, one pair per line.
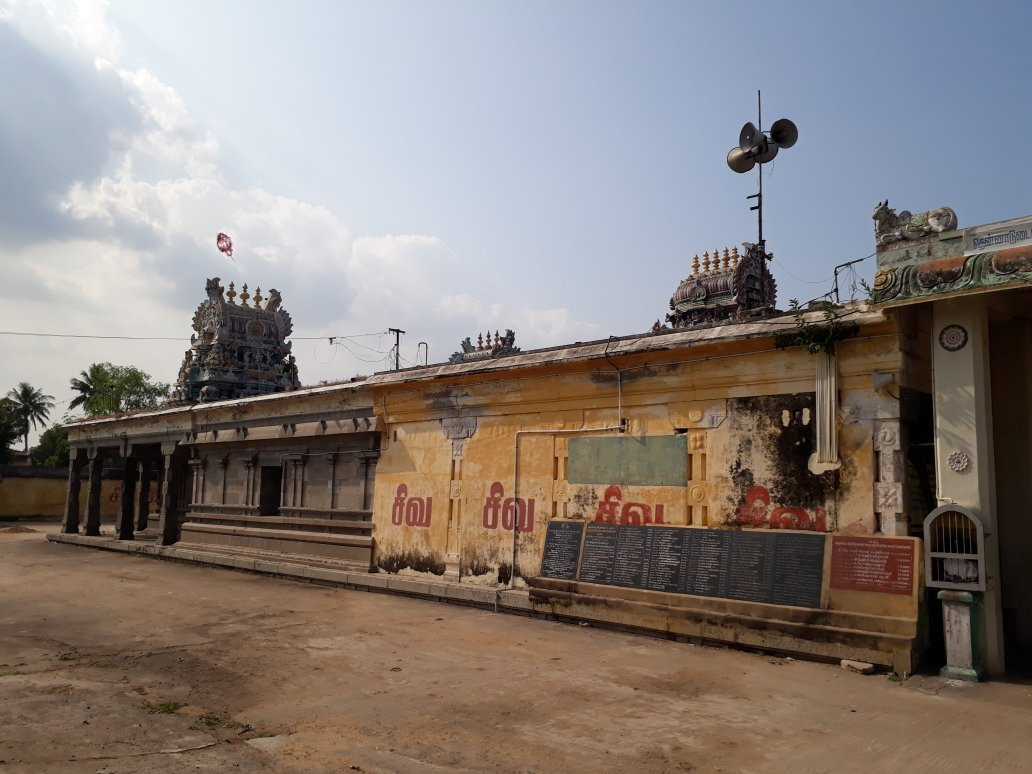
330, 525
827, 634
357, 548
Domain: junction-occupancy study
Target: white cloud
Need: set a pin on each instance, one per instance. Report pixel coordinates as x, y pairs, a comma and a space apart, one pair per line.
147, 213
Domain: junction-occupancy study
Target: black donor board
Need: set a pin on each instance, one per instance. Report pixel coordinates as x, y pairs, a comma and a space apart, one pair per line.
562, 550
781, 568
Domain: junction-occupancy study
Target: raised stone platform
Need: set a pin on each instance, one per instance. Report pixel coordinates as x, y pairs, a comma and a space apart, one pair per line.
819, 634
314, 569
343, 536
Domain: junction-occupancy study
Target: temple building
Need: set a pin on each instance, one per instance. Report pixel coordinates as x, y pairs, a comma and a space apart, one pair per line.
738, 474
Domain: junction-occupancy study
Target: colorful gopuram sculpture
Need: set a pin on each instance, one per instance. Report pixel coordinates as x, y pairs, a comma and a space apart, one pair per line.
238, 349
723, 287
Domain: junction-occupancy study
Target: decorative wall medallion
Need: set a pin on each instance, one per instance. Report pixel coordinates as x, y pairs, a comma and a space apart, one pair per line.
886, 437
958, 462
953, 337
456, 489
698, 493
695, 415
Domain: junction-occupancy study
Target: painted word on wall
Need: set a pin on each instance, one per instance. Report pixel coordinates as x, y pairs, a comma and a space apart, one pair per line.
756, 512
507, 511
612, 511
410, 511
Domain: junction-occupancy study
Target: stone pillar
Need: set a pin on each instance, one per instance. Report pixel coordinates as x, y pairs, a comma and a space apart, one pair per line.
70, 525
960, 618
368, 460
249, 476
283, 483
125, 519
293, 497
168, 524
888, 489
96, 464
197, 489
333, 480
224, 465
964, 464
143, 500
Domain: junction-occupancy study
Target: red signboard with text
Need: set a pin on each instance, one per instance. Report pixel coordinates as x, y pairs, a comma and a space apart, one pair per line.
885, 565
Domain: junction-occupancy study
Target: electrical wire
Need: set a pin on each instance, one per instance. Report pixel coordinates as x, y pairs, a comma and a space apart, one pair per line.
800, 279
168, 338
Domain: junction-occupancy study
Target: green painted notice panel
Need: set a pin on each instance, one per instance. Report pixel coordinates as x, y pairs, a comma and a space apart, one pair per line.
652, 460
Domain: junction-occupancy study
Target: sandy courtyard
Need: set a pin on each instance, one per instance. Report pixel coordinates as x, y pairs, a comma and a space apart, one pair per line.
118, 663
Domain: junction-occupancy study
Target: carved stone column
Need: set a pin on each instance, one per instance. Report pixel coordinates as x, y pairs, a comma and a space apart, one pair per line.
70, 525
96, 464
888, 489
250, 466
197, 490
368, 461
333, 480
293, 497
143, 500
168, 524
224, 465
125, 519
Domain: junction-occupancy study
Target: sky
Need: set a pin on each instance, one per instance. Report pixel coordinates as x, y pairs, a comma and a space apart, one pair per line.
450, 168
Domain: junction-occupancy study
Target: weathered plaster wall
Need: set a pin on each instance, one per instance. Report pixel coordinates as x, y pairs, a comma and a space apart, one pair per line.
450, 484
45, 496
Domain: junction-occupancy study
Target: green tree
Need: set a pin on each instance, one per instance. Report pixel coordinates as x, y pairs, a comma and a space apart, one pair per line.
10, 428
32, 406
52, 449
106, 389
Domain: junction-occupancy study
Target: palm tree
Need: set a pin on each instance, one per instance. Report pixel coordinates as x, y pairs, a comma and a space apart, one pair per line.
88, 386
32, 407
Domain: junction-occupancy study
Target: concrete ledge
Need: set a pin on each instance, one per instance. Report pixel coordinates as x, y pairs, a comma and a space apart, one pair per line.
217, 519
278, 534
293, 567
755, 628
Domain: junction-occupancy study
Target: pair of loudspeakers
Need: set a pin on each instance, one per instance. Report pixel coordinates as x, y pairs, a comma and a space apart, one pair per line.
755, 147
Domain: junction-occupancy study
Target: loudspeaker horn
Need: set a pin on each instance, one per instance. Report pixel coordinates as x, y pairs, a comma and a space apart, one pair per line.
747, 138
768, 152
784, 133
740, 160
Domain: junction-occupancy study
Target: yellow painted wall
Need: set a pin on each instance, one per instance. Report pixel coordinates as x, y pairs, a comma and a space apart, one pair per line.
40, 496
689, 391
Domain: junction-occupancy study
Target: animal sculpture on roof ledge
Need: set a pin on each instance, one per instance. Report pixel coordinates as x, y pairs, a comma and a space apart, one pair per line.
905, 226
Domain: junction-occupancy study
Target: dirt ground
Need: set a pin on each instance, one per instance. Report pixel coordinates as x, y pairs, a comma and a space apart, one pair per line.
119, 663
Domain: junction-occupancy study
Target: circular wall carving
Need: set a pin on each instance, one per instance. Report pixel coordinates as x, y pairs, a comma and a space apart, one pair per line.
958, 462
953, 337
698, 493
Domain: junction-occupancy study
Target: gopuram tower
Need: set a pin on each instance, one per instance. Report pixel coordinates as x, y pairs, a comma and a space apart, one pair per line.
237, 349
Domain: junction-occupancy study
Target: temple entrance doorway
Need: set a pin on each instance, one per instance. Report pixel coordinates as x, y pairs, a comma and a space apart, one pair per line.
270, 487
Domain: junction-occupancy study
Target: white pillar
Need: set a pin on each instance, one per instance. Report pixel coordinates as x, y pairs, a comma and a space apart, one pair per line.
964, 465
